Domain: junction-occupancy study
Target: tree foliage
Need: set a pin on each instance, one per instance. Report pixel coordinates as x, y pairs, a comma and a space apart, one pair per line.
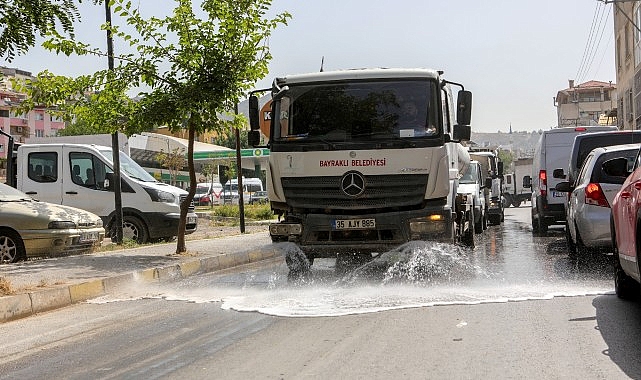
21, 21
174, 161
192, 68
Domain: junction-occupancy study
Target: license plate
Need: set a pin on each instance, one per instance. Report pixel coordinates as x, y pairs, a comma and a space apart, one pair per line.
354, 224
192, 219
559, 194
87, 237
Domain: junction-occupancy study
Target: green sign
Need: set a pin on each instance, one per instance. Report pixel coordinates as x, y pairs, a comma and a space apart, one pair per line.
254, 152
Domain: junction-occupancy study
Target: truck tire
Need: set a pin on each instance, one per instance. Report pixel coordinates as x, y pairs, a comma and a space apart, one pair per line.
495, 219
134, 229
478, 227
516, 203
468, 236
543, 226
11, 246
507, 200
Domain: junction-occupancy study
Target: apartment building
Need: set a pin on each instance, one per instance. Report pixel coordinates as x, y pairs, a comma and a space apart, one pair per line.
37, 123
627, 21
589, 103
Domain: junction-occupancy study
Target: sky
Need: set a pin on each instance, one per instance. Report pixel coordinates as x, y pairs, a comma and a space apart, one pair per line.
514, 55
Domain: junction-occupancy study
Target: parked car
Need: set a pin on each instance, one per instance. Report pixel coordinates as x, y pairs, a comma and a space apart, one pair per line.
258, 197
588, 216
552, 152
625, 225
32, 228
203, 195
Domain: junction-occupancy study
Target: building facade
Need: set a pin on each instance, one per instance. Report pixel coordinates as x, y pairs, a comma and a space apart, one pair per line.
627, 19
589, 103
37, 123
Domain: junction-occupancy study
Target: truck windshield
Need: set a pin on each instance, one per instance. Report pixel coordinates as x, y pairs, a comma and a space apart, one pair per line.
471, 175
359, 111
129, 166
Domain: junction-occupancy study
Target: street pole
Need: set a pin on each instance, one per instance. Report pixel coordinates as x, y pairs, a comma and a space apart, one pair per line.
239, 165
118, 218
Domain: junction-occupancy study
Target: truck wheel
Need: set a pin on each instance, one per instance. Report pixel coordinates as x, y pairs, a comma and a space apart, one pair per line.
495, 219
507, 199
134, 229
11, 246
478, 227
516, 203
543, 226
468, 236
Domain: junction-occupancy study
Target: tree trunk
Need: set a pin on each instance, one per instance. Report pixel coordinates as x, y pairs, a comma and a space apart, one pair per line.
181, 247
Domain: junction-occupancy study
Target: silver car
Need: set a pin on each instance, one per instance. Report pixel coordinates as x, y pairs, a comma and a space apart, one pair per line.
588, 213
32, 228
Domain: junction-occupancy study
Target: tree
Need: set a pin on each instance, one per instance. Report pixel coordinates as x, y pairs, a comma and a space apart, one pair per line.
174, 161
21, 21
195, 69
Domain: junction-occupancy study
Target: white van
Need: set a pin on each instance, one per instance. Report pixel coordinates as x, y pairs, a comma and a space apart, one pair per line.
250, 185
81, 175
208, 194
552, 152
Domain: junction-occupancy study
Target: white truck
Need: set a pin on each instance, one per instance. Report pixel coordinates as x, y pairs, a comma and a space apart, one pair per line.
81, 175
493, 177
472, 183
515, 192
355, 169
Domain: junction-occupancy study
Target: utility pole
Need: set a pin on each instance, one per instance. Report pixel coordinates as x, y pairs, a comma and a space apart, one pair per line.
114, 141
239, 165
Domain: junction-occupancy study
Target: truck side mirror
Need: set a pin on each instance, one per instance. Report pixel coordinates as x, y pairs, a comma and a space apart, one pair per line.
558, 173
462, 133
464, 107
527, 182
616, 167
254, 123
500, 164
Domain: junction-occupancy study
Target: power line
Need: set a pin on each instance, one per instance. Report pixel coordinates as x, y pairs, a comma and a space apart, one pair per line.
594, 41
596, 49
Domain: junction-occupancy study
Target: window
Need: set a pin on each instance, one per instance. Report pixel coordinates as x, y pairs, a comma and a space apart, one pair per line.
39, 116
43, 166
4, 113
39, 133
87, 170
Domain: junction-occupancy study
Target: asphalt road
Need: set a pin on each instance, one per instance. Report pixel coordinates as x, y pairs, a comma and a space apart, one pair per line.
501, 322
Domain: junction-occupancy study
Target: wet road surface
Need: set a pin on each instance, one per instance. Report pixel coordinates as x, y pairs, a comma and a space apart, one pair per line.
507, 264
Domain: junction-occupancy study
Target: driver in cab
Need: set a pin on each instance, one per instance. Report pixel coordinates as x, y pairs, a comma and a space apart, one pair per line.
410, 123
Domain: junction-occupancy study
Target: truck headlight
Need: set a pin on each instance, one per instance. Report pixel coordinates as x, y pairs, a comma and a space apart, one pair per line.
160, 196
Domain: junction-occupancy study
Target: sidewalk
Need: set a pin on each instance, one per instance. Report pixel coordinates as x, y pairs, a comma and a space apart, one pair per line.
47, 284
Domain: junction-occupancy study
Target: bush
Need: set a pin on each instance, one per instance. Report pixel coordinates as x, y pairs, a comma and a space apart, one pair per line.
255, 212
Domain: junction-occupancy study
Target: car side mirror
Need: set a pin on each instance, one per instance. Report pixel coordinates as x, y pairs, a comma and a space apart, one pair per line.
563, 186
558, 173
616, 167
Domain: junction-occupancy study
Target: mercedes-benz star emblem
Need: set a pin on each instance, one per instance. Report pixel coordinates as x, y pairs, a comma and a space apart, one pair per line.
353, 184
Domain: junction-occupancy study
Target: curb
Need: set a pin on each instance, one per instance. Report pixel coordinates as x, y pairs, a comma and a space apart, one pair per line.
23, 305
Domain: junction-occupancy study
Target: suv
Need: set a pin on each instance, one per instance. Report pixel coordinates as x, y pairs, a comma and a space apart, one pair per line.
588, 215
552, 152
625, 225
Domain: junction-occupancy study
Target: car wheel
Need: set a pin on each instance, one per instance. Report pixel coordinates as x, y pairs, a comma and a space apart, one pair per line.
478, 226
581, 249
495, 219
134, 229
624, 286
11, 246
570, 242
543, 226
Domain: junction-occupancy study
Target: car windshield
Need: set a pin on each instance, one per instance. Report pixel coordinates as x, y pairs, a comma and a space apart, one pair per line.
359, 112
9, 194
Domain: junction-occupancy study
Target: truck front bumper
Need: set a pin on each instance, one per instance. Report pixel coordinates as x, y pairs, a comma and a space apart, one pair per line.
317, 235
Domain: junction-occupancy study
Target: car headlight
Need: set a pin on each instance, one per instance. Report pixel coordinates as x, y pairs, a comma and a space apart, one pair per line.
160, 196
61, 225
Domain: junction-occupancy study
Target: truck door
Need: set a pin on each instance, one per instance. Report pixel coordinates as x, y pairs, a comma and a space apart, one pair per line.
41, 178
84, 182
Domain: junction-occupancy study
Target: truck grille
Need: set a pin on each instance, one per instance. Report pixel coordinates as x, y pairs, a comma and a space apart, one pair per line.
381, 192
